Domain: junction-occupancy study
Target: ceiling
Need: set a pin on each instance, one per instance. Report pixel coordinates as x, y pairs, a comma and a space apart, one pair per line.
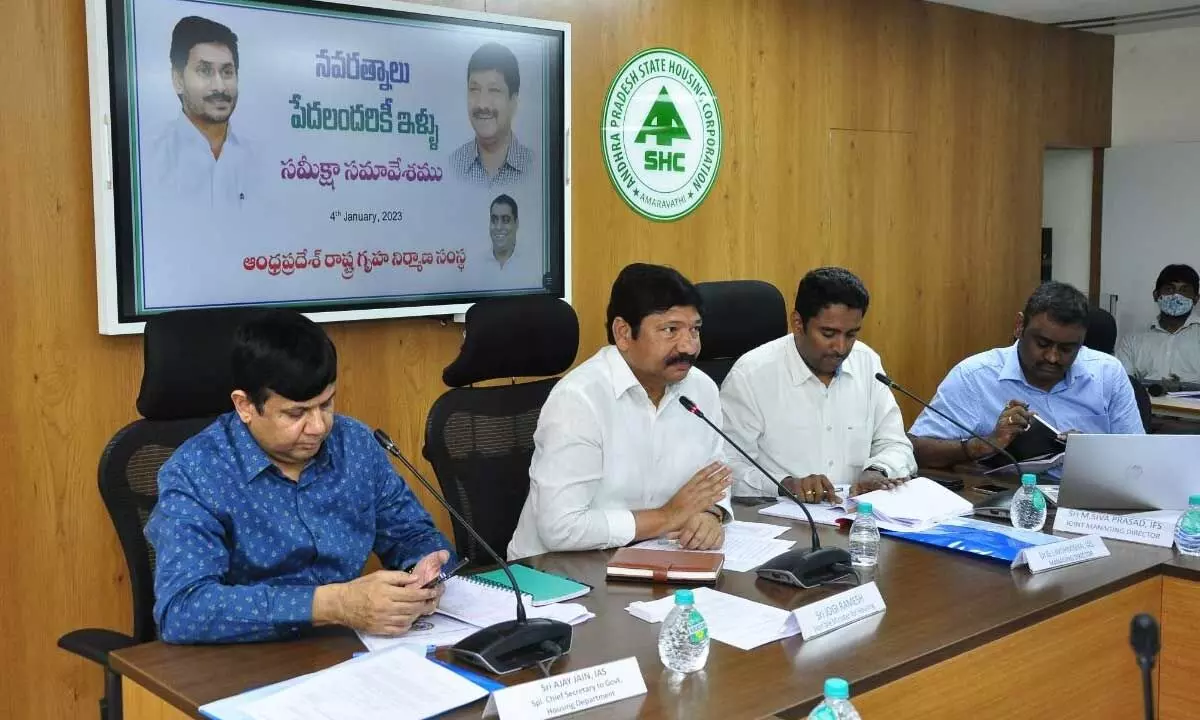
1110, 16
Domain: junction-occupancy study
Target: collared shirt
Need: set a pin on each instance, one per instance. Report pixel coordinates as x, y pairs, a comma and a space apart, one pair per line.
468, 165
603, 450
241, 548
180, 174
793, 425
1094, 397
1157, 354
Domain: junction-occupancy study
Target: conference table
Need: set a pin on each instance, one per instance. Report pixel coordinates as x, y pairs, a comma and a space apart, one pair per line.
1186, 408
962, 637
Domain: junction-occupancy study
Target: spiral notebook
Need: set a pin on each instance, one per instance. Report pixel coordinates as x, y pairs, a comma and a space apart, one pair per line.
481, 604
546, 588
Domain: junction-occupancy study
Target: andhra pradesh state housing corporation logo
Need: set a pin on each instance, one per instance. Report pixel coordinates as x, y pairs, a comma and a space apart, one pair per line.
661, 133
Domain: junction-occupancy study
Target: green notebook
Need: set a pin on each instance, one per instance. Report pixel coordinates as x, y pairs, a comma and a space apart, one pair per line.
544, 587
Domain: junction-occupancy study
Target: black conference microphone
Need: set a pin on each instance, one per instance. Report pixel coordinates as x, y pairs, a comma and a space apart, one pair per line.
1143, 635
507, 646
802, 568
897, 386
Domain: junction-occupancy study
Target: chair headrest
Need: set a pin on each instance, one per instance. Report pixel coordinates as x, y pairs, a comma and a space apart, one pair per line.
187, 371
1101, 331
740, 315
531, 336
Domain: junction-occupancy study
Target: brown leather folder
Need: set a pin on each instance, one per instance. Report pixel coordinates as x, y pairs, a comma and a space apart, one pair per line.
680, 566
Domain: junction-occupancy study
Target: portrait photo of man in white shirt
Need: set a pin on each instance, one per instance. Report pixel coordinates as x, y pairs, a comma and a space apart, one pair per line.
807, 406
616, 456
197, 163
503, 224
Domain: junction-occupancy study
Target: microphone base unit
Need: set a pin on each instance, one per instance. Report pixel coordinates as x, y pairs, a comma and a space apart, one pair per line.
514, 645
805, 568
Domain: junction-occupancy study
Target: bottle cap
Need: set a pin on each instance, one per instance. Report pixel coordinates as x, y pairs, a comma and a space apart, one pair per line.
1029, 479
1194, 500
684, 597
865, 508
837, 689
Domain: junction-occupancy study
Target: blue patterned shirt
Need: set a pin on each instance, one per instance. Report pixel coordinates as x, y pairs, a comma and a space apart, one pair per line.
1095, 396
468, 167
241, 548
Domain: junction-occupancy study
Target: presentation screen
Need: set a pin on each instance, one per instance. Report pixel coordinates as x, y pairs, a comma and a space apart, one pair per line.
347, 160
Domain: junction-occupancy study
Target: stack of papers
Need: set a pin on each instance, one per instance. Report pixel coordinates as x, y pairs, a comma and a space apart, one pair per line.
483, 605
465, 608
747, 545
918, 504
376, 686
735, 621
431, 631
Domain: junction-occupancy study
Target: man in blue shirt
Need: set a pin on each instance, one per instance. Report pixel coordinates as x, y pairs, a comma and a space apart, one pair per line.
266, 517
1047, 372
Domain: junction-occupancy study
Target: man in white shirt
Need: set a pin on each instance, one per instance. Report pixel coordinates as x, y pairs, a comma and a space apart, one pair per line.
1170, 348
616, 457
197, 164
807, 406
502, 228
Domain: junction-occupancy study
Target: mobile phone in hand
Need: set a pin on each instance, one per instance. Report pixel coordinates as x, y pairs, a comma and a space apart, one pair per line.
445, 574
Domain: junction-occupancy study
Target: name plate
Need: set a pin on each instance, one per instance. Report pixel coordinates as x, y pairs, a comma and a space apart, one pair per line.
569, 692
1129, 528
838, 611
1041, 558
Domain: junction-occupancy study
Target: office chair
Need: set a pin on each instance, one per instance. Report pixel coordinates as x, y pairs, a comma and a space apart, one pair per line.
185, 384
739, 315
479, 440
1102, 335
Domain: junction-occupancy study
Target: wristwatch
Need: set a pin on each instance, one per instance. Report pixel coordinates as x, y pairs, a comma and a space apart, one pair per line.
879, 469
717, 511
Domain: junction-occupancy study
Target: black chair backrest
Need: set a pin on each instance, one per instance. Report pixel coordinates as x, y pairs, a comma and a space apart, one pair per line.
739, 315
185, 385
479, 440
1142, 396
1101, 331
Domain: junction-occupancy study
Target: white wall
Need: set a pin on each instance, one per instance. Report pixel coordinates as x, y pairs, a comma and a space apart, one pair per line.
1067, 209
1156, 87
1151, 219
1152, 172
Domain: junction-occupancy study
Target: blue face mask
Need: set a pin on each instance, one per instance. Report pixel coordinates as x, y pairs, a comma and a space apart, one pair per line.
1174, 305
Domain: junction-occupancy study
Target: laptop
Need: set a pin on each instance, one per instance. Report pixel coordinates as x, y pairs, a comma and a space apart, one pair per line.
1130, 472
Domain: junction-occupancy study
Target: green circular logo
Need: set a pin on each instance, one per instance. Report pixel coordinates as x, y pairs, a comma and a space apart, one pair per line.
661, 134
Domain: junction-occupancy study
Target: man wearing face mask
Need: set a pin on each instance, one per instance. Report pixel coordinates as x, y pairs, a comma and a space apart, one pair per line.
807, 406
1047, 372
1170, 348
616, 457
265, 518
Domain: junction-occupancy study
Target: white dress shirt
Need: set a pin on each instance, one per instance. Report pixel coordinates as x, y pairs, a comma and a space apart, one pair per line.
793, 425
180, 172
1156, 354
602, 450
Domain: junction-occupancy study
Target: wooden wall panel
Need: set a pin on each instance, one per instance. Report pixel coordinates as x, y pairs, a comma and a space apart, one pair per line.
1180, 657
1089, 643
956, 212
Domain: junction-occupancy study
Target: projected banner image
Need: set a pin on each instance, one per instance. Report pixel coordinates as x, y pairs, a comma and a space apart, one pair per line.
317, 156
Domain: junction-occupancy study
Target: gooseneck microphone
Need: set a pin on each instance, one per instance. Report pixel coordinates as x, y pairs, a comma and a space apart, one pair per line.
507, 646
802, 568
1143, 636
904, 391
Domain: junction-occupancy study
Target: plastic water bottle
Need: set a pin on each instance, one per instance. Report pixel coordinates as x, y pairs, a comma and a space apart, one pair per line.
683, 640
836, 705
1028, 509
864, 538
1187, 531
